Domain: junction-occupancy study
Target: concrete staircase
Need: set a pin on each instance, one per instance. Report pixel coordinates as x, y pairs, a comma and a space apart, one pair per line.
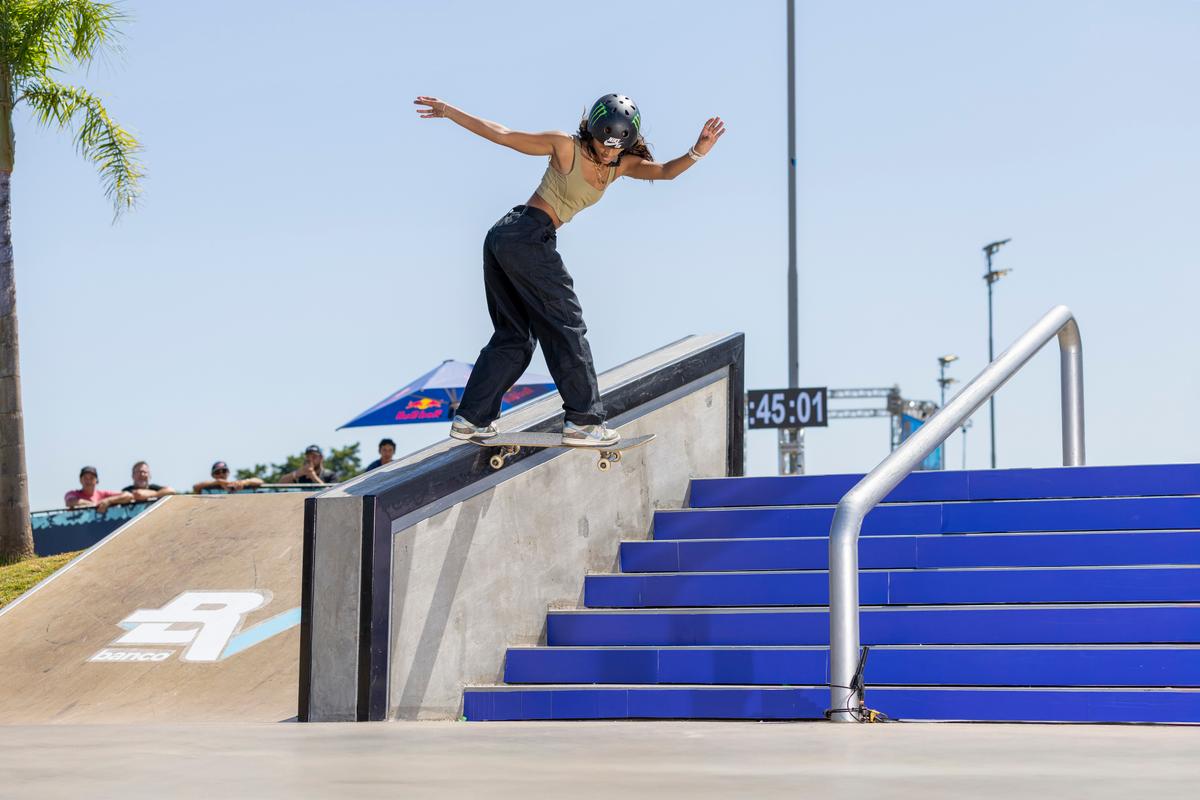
1068, 594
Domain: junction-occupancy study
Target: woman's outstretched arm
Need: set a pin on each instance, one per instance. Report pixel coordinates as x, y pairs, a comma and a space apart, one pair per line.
532, 144
655, 171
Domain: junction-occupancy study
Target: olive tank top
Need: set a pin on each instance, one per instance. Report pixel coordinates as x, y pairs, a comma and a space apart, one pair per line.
571, 193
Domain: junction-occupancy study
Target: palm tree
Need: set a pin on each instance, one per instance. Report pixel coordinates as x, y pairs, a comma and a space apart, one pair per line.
37, 39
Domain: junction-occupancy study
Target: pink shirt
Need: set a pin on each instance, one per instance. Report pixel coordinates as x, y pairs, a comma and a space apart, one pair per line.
95, 497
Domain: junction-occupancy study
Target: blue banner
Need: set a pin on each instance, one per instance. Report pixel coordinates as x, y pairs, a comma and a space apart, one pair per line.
908, 426
67, 530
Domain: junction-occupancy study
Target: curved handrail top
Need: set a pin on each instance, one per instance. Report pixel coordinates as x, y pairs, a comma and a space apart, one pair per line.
875, 485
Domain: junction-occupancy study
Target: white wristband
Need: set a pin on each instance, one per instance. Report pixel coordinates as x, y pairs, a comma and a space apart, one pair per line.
693, 155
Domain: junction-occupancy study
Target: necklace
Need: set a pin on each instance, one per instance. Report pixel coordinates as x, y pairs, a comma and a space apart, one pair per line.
601, 172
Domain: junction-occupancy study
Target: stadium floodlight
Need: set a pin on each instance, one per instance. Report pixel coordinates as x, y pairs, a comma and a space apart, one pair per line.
991, 276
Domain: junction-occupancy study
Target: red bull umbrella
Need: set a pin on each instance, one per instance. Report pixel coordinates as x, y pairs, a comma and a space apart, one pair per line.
434, 396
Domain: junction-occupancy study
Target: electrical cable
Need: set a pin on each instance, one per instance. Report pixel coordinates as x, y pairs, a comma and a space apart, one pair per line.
862, 713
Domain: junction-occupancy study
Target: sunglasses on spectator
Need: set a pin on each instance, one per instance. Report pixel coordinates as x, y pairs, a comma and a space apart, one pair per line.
220, 472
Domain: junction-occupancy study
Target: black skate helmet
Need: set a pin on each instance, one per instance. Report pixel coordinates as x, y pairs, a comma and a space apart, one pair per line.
614, 121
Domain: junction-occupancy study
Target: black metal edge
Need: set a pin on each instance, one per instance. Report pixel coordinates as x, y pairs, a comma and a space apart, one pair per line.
736, 437
366, 574
454, 469
307, 565
380, 609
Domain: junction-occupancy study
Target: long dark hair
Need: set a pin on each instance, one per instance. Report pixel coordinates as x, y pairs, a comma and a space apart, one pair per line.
639, 148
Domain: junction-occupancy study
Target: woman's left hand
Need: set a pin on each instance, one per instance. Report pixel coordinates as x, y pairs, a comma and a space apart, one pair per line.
712, 130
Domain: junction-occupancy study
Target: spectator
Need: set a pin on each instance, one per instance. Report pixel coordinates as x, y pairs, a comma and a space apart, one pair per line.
142, 489
220, 480
387, 449
313, 470
88, 496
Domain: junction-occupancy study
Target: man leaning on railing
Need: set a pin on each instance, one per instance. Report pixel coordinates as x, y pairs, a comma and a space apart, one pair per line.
90, 496
221, 483
142, 489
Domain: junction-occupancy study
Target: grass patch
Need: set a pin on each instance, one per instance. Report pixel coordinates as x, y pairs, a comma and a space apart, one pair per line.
17, 578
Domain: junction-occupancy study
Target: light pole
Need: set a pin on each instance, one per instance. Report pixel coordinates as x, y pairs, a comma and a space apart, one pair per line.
991, 277
943, 381
965, 426
791, 440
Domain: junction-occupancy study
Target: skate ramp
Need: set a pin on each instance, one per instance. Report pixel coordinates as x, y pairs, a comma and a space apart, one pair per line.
190, 612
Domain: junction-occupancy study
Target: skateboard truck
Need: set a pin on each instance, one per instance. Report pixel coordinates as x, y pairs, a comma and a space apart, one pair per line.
508, 451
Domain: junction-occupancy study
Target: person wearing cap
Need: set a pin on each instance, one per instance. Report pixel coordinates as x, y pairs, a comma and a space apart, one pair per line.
387, 450
142, 489
220, 481
89, 496
313, 470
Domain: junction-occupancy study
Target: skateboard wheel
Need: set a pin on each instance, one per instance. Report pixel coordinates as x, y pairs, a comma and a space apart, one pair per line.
496, 461
603, 465
616, 456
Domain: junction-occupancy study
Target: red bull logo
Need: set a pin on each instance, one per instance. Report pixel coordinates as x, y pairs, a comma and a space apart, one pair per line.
423, 408
517, 394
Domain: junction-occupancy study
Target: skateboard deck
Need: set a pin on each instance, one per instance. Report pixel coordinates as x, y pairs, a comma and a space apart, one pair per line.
509, 444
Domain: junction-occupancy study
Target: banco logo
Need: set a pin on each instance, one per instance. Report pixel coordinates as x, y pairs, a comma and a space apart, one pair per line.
206, 625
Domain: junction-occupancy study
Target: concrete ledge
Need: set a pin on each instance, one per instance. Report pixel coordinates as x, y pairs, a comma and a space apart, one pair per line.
436, 564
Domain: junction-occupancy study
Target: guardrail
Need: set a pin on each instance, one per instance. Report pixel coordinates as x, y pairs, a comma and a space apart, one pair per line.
845, 688
63, 530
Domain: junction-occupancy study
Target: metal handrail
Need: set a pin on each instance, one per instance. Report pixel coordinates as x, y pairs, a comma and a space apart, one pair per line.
845, 693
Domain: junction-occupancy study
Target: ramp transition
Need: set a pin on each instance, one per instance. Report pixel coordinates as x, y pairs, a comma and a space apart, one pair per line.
188, 613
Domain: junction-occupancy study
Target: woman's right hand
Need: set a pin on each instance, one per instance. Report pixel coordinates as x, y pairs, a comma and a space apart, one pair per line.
435, 108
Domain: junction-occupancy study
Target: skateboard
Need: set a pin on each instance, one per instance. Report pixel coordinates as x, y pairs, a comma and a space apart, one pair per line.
509, 444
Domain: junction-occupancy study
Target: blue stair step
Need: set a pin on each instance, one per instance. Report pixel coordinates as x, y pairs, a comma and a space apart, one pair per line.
810, 702
1045, 665
1001, 624
573, 702
880, 552
897, 587
1055, 595
1132, 513
999, 484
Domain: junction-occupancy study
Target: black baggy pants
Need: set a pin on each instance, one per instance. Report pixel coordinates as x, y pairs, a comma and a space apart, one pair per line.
531, 298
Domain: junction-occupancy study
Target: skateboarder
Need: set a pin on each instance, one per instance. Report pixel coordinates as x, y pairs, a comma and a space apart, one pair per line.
530, 294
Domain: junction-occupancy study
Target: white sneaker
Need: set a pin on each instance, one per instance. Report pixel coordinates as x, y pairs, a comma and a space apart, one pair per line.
465, 429
588, 435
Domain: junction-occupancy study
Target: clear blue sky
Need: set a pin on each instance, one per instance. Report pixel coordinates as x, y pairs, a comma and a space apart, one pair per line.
306, 244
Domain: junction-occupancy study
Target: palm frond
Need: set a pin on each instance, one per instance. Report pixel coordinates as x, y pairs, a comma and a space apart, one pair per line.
47, 32
100, 140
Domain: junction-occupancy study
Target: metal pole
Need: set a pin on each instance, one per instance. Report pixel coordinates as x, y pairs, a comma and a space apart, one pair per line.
1071, 378
964, 437
793, 281
867, 493
791, 457
991, 352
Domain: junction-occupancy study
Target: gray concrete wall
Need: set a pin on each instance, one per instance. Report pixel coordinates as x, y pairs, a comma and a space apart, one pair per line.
478, 577
337, 557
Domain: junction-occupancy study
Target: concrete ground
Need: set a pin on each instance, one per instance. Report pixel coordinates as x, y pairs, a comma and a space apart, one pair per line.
611, 760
